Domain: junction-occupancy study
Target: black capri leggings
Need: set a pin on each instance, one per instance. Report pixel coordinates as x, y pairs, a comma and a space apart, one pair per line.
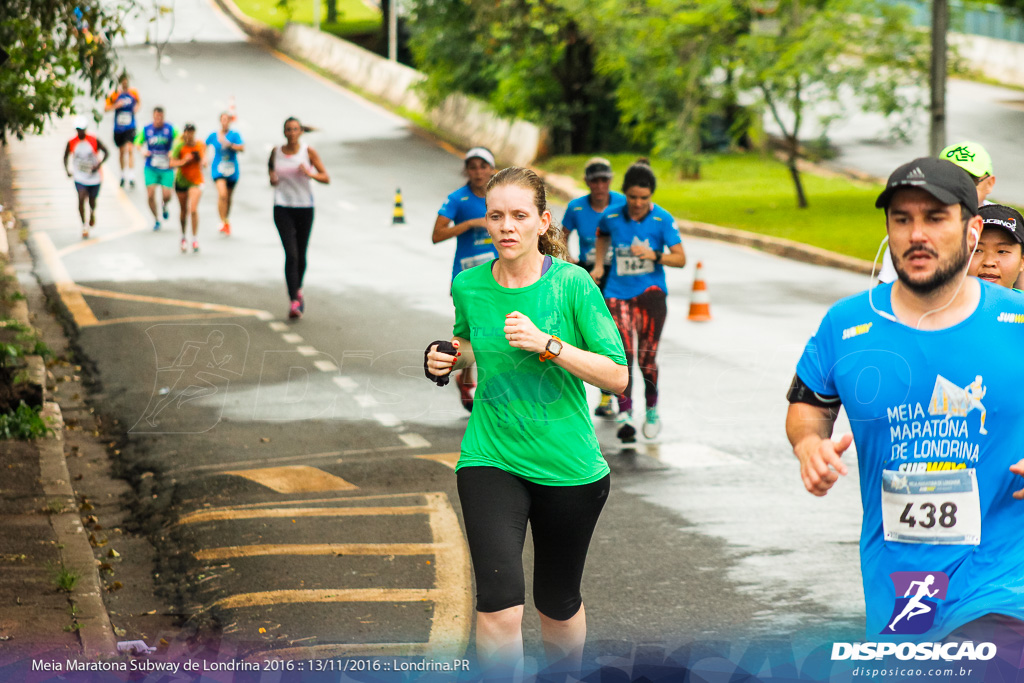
496, 506
294, 224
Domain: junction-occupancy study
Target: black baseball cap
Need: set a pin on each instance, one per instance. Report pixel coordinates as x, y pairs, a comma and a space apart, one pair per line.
1005, 217
942, 179
596, 168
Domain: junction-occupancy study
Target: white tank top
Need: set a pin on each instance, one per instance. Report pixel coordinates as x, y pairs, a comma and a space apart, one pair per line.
83, 158
292, 187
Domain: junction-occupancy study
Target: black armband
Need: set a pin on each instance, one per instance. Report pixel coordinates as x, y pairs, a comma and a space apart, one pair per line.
442, 347
799, 392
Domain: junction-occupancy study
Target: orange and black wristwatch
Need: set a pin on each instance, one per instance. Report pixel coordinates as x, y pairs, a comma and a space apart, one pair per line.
551, 349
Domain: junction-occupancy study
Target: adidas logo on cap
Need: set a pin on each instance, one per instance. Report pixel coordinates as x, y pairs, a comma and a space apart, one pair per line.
916, 174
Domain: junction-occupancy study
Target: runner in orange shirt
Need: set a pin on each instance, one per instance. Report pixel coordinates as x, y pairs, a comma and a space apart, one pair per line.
187, 157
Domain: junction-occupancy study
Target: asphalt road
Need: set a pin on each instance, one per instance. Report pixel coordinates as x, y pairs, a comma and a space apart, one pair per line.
297, 479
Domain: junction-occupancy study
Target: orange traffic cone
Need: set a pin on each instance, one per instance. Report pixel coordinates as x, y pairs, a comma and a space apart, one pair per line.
700, 302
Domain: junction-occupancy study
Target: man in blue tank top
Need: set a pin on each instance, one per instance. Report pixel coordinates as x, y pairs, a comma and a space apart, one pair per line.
927, 370
155, 141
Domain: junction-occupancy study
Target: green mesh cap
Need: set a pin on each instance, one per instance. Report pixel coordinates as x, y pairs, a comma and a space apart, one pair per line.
971, 157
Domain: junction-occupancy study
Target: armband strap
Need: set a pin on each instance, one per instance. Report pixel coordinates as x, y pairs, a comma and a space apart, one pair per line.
799, 392
442, 347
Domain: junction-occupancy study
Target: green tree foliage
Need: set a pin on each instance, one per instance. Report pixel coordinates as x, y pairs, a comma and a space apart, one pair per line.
667, 58
827, 53
527, 58
54, 56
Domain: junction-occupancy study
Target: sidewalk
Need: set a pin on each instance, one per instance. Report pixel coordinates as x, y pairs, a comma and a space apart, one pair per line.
61, 507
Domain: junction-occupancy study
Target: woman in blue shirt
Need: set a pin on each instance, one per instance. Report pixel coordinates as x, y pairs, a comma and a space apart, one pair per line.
226, 144
638, 232
462, 217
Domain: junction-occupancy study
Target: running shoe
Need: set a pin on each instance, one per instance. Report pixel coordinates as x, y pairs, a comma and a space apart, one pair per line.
85, 232
184, 245
302, 302
627, 432
122, 181
131, 184
167, 215
225, 229
295, 312
652, 425
156, 226
605, 409
195, 246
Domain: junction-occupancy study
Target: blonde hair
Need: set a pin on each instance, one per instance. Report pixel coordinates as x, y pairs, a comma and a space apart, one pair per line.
551, 243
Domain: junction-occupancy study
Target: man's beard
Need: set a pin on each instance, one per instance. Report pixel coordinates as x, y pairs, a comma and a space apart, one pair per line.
943, 275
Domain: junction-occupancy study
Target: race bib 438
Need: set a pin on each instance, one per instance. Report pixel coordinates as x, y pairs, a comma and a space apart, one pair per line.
941, 508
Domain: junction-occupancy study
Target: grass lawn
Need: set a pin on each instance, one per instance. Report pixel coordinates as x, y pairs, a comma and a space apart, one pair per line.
755, 193
353, 15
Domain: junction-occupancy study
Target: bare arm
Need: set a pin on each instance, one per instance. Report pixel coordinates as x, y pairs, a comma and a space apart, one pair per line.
592, 368
67, 153
675, 258
270, 167
321, 173
444, 229
600, 249
809, 428
106, 153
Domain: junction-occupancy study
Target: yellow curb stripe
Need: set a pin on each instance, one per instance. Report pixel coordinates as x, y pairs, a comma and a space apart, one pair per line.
166, 318
323, 595
295, 479
449, 459
66, 288
219, 515
183, 303
312, 501
236, 551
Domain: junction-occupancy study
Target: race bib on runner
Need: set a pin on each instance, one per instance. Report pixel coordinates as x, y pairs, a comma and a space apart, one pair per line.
473, 261
159, 161
628, 264
123, 118
941, 508
84, 164
226, 168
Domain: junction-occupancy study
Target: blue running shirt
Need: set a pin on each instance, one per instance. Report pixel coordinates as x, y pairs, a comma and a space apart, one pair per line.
631, 276
474, 246
159, 142
935, 484
225, 161
582, 218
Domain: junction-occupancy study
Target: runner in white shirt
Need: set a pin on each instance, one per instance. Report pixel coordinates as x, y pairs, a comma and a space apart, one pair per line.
83, 150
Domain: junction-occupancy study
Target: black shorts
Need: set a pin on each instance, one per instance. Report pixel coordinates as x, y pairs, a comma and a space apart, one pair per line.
229, 181
496, 507
123, 138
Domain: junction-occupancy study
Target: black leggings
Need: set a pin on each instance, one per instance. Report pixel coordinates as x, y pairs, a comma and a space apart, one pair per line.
294, 224
496, 506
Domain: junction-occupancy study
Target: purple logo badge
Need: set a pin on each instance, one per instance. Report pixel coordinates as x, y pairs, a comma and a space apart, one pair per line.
917, 596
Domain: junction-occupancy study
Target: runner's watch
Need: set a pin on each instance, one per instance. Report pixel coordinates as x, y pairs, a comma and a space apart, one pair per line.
551, 349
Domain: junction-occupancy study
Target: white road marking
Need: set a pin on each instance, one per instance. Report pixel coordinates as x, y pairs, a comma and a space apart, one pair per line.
307, 351
365, 400
279, 327
292, 338
387, 419
325, 366
346, 383
414, 441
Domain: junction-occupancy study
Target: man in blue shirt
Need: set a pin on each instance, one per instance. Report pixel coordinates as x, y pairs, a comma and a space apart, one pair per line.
926, 370
154, 142
581, 217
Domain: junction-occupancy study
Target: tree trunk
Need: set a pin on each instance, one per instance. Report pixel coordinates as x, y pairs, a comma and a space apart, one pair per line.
794, 172
332, 11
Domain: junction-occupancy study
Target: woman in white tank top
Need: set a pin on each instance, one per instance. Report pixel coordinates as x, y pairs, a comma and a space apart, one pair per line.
291, 166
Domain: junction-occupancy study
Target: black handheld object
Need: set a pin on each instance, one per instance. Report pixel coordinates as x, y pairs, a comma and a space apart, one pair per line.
443, 347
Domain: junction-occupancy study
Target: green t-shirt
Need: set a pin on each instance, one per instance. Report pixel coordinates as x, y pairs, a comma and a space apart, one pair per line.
531, 418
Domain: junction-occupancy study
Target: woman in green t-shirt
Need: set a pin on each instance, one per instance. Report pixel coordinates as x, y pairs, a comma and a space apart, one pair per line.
537, 328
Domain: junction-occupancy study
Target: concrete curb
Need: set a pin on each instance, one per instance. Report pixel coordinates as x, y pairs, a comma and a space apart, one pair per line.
96, 631
567, 189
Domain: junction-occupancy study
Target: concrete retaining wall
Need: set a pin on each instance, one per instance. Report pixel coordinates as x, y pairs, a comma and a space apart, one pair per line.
461, 120
1000, 60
